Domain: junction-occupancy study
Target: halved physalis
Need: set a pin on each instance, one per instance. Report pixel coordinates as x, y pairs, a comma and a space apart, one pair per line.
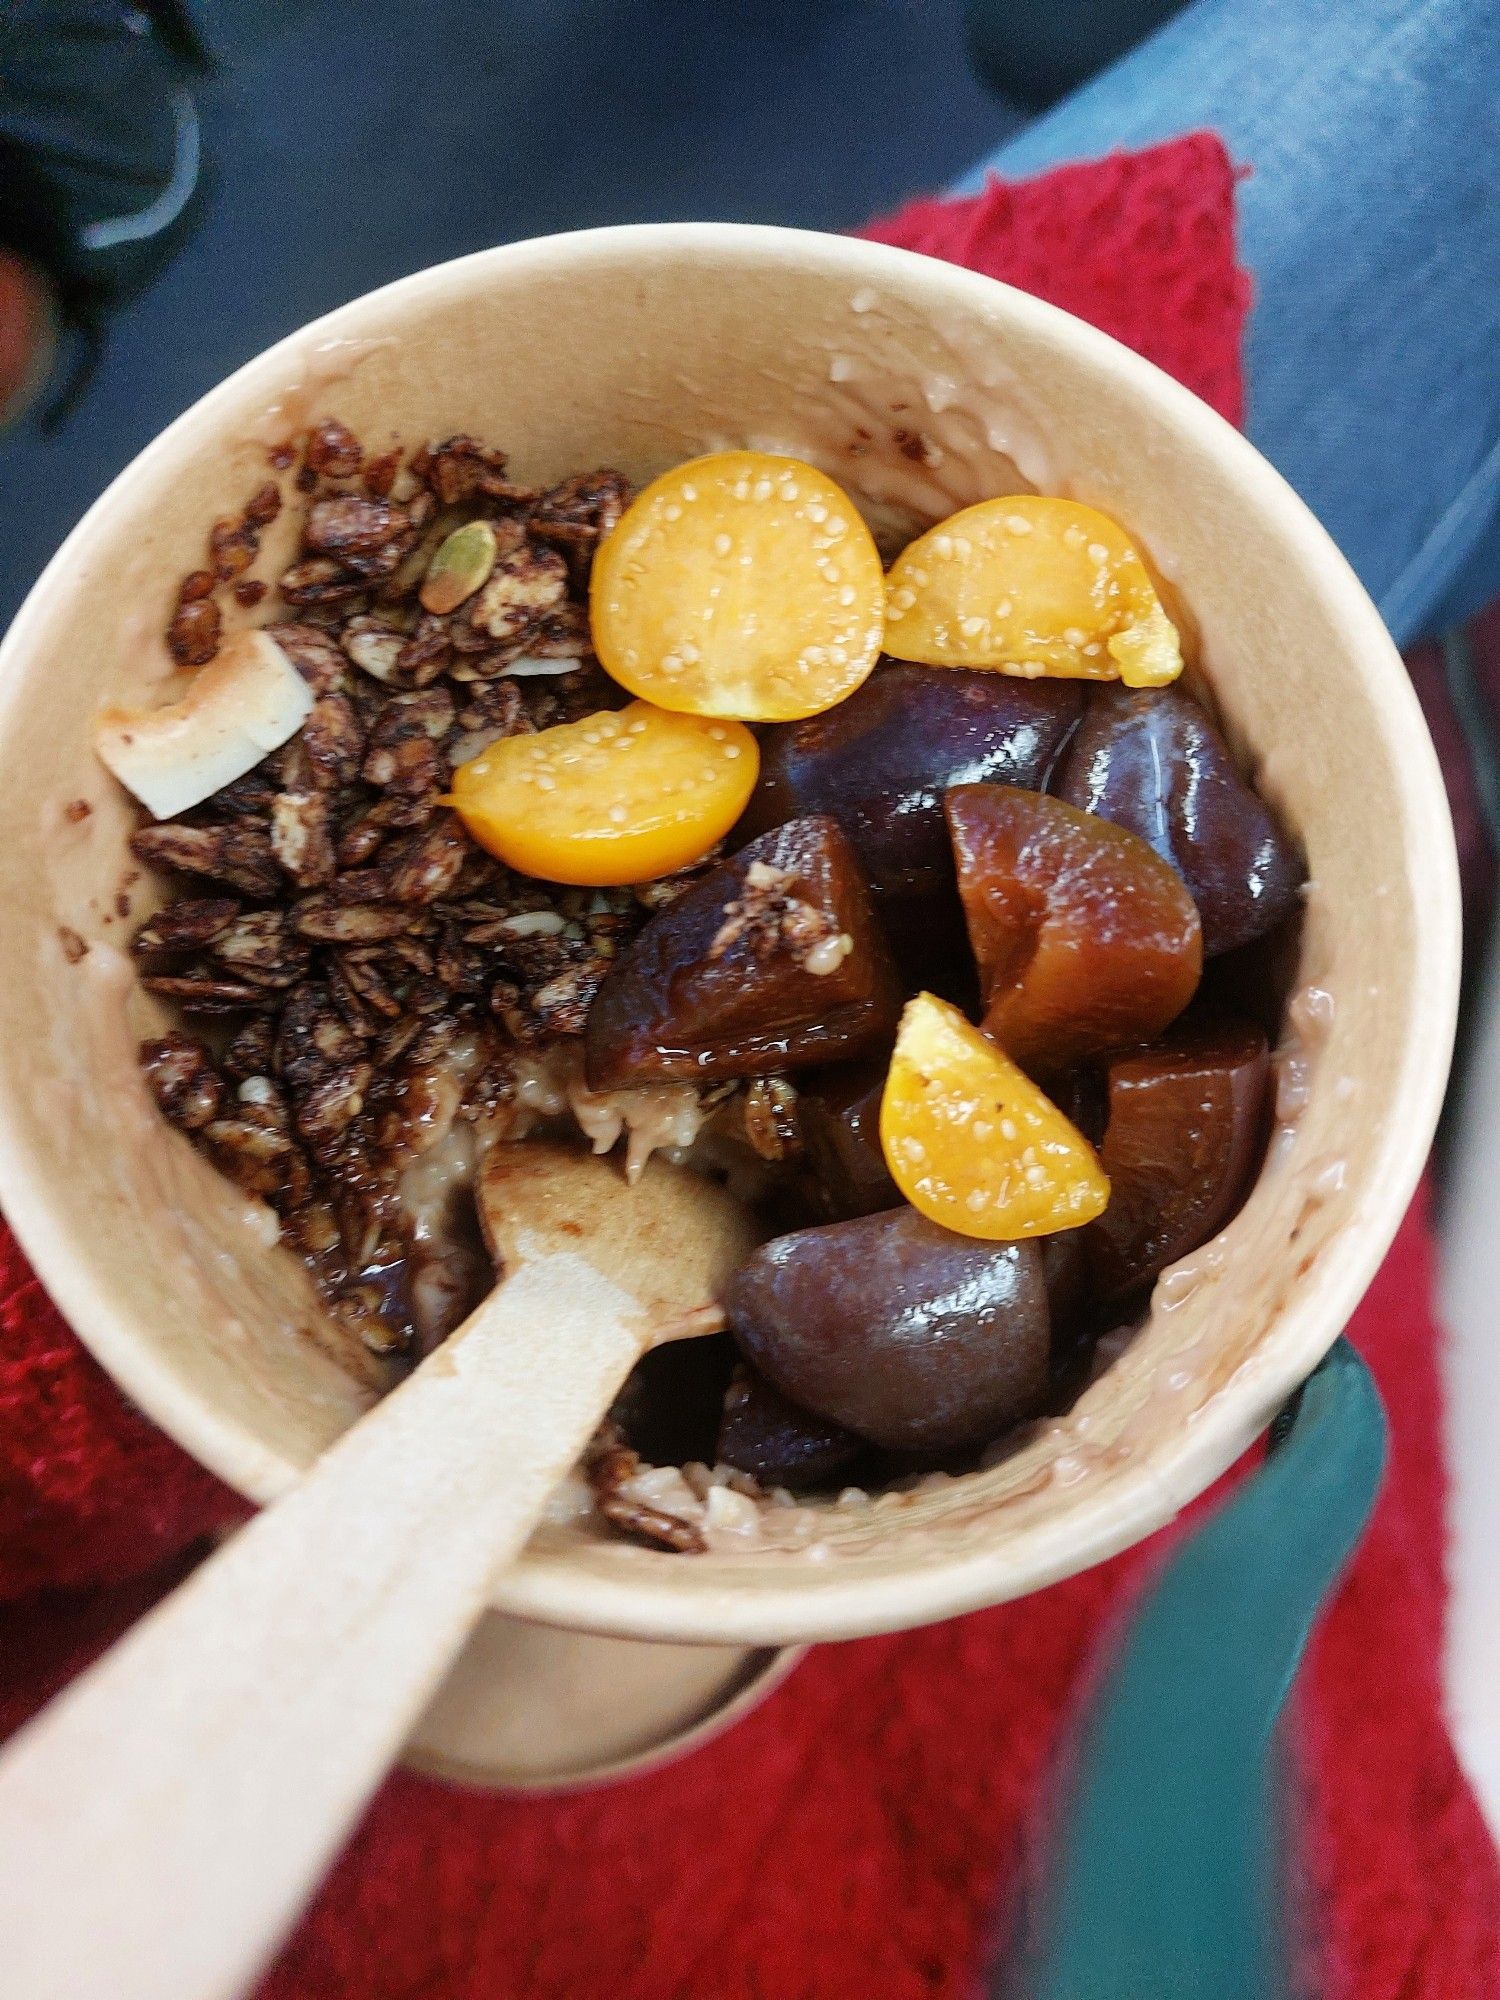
972, 1142
621, 796
741, 584
1031, 585
1085, 939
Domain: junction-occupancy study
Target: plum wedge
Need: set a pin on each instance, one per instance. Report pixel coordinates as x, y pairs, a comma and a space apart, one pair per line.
1155, 763
838, 1117
1085, 939
775, 960
765, 1434
1187, 1125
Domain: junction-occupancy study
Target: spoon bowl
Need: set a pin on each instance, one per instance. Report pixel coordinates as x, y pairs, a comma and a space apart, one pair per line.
666, 1237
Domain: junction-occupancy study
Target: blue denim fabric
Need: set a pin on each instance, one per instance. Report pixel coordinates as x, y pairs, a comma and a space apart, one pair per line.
1370, 223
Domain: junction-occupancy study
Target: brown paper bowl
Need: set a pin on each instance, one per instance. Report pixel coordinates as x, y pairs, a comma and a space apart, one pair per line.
529, 1708
922, 387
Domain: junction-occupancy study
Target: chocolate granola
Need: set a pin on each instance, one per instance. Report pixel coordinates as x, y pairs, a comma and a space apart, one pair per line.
354, 971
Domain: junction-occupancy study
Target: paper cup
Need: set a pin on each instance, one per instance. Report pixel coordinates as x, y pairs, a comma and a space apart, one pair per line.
922, 388
529, 1708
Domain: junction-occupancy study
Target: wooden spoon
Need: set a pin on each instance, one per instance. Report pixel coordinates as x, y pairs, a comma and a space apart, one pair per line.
163, 1822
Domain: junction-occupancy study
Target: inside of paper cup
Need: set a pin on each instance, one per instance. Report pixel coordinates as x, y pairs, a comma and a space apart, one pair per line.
922, 390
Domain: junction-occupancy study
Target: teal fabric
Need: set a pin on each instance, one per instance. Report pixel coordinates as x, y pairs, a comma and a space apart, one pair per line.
1167, 1872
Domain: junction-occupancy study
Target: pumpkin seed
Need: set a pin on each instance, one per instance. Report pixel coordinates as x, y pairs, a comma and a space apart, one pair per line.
461, 565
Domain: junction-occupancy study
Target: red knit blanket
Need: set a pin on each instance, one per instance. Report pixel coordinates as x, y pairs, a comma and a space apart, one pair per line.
851, 1839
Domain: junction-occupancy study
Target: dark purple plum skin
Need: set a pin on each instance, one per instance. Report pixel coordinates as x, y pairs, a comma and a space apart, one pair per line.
678, 1008
1065, 1271
881, 761
838, 1118
899, 1330
1152, 760
762, 1432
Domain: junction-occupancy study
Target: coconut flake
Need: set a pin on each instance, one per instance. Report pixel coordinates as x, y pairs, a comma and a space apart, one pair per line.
526, 666
245, 703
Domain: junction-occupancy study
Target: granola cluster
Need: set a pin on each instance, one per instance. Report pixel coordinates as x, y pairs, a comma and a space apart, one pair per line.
769, 918
671, 1507
360, 972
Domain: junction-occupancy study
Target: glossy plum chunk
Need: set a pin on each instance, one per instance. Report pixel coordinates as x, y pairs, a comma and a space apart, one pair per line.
1065, 1270
1155, 763
897, 1329
838, 1117
881, 761
1084, 937
782, 1445
774, 961
1187, 1126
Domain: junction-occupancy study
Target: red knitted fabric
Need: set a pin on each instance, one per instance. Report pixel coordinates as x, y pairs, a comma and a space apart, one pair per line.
1141, 244
89, 1490
854, 1835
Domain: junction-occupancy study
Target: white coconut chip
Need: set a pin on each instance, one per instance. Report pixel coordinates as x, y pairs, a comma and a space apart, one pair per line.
525, 667
246, 702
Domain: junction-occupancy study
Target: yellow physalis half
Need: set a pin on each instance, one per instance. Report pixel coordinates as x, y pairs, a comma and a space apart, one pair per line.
1031, 585
618, 797
741, 585
972, 1142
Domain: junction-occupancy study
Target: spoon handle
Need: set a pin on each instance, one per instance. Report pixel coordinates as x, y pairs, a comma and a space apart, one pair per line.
163, 1822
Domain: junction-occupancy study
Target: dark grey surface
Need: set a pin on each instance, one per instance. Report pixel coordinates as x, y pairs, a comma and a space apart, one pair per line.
351, 143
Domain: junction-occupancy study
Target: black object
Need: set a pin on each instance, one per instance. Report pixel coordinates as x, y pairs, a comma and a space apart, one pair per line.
1036, 55
100, 153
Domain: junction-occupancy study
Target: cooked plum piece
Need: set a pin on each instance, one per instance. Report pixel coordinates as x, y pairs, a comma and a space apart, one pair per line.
838, 1116
881, 761
1155, 763
1085, 939
897, 1329
1187, 1125
1065, 1269
775, 960
782, 1445
1079, 1096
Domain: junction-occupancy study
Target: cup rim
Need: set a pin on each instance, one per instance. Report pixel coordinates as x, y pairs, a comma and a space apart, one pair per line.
661, 1604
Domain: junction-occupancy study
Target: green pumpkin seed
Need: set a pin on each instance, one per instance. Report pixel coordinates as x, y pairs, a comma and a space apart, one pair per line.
461, 565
